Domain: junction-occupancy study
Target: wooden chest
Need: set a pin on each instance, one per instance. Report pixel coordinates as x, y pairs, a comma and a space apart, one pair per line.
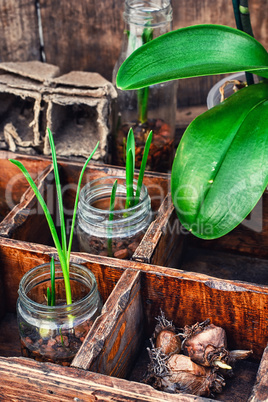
187, 279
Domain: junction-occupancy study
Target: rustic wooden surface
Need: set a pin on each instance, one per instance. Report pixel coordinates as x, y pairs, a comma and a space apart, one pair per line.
162, 243
12, 182
87, 35
117, 334
261, 384
26, 380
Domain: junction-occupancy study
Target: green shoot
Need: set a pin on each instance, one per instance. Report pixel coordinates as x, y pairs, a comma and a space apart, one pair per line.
59, 194
52, 276
143, 166
63, 252
132, 200
130, 166
48, 297
51, 294
111, 217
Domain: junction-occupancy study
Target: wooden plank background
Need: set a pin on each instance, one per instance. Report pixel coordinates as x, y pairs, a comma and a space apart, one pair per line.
86, 34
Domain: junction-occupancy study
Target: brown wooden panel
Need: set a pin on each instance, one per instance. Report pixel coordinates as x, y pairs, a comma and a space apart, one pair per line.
12, 182
261, 380
18, 31
26, 380
116, 335
84, 35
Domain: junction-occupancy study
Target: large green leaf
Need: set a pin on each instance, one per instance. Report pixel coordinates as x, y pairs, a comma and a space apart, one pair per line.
221, 165
193, 51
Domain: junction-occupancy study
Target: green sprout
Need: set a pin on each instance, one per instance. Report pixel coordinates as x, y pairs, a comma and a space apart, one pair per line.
131, 199
111, 217
63, 251
51, 294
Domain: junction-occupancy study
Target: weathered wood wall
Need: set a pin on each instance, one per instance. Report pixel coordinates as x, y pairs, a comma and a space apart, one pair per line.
86, 34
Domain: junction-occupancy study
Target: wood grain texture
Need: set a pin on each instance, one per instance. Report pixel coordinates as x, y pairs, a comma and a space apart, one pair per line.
19, 31
82, 35
116, 335
162, 243
12, 183
26, 380
261, 385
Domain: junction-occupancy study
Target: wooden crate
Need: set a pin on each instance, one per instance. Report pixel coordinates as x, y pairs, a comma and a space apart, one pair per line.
113, 358
27, 222
240, 255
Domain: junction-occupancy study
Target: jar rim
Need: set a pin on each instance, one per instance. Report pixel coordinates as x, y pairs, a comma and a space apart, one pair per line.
76, 305
90, 186
140, 10
140, 4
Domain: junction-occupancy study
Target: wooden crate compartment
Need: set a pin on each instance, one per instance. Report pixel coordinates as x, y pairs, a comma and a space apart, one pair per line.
12, 183
115, 347
27, 222
16, 259
241, 255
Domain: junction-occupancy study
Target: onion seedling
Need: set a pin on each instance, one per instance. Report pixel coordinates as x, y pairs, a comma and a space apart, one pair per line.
132, 200
61, 246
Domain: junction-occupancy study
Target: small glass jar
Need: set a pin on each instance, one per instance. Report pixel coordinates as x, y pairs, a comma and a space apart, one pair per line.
152, 108
55, 333
119, 237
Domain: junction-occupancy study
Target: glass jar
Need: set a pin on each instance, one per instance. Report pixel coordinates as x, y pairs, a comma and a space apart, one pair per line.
146, 109
119, 237
55, 333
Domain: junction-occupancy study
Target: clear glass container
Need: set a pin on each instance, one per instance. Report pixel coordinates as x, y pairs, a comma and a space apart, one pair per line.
152, 108
119, 237
55, 333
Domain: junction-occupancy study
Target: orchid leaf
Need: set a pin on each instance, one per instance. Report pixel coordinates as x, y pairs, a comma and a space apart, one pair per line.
193, 51
221, 167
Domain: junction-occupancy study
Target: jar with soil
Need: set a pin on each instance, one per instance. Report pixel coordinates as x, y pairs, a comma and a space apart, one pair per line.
119, 237
55, 333
152, 108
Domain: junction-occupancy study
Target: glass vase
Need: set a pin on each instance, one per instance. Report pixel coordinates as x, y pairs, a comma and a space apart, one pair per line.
152, 108
119, 237
55, 333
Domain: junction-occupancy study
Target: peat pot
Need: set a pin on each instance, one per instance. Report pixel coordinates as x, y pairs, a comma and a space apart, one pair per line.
55, 333
99, 234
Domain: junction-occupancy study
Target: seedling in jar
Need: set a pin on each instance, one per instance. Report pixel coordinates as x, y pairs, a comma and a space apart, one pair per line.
61, 246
